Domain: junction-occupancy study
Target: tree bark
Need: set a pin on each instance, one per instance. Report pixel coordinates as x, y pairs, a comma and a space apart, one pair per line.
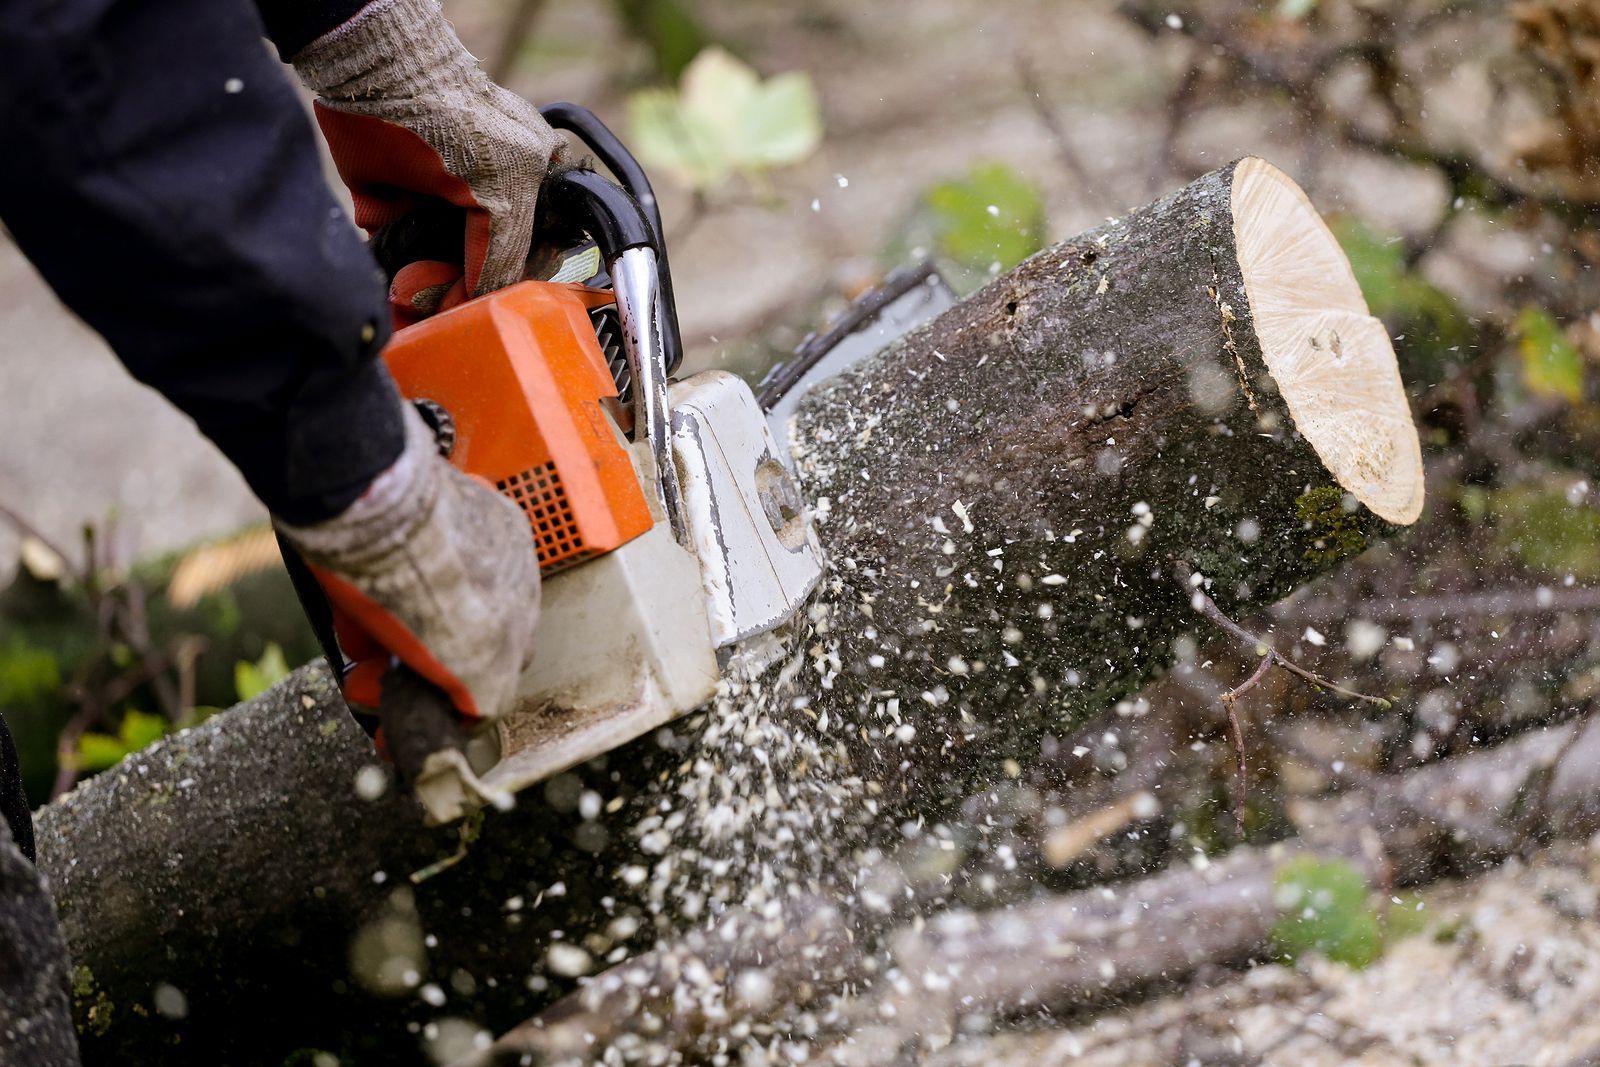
1005, 497
1012, 490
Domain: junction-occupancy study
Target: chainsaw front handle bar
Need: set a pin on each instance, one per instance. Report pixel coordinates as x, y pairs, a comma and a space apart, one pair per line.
627, 243
598, 138
599, 205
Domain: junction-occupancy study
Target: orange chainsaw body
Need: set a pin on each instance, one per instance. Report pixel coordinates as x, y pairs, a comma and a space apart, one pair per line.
524, 383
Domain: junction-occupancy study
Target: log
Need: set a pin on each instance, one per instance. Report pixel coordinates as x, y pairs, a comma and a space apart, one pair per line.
1004, 497
1009, 490
1066, 953
966, 969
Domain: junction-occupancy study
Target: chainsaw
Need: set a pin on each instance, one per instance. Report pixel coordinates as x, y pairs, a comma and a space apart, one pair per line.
672, 538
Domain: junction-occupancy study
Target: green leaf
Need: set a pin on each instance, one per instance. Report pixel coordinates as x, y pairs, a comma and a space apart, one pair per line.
96, 752
27, 673
992, 216
140, 729
782, 125
723, 119
1546, 530
1551, 363
1323, 908
1406, 917
253, 679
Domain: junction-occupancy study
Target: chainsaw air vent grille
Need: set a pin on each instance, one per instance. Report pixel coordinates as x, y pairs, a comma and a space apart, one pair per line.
608, 331
539, 493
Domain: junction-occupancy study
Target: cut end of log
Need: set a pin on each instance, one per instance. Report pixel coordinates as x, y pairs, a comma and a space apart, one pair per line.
1331, 360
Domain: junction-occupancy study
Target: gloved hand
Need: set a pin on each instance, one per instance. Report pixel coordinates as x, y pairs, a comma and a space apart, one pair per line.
407, 114
434, 567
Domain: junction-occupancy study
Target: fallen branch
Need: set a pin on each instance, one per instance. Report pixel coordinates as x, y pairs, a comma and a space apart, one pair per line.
718, 986
1271, 657
1061, 953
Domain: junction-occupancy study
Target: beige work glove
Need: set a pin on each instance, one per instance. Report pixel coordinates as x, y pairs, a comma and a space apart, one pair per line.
435, 568
408, 115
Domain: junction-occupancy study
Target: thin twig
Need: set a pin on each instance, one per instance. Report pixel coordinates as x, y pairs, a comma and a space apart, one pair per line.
1066, 155
1208, 607
136, 634
1270, 656
17, 522
1178, 105
1229, 701
94, 704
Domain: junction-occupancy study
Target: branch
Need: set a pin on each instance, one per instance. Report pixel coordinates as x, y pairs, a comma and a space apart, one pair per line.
1086, 947
1204, 605
18, 522
1087, 184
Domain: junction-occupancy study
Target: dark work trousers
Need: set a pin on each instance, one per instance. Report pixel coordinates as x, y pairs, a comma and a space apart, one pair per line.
160, 172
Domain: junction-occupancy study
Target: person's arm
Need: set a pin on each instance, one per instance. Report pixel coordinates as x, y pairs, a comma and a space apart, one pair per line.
293, 24
162, 176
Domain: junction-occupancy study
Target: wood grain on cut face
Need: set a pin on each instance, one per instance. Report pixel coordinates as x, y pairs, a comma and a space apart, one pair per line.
1331, 360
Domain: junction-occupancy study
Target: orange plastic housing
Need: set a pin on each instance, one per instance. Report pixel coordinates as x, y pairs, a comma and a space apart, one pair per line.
522, 377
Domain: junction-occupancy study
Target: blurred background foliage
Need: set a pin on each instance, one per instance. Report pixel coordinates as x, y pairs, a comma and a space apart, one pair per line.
102, 661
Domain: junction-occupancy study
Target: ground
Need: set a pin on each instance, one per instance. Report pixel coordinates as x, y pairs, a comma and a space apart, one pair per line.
1507, 972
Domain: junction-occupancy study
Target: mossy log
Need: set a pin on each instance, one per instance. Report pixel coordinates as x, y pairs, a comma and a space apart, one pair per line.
1005, 497
1013, 490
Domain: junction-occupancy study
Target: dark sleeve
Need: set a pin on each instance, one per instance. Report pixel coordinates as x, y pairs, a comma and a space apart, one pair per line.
162, 175
293, 24
14, 808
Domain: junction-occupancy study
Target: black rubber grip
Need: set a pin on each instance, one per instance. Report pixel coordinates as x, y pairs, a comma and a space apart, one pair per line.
13, 801
417, 720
